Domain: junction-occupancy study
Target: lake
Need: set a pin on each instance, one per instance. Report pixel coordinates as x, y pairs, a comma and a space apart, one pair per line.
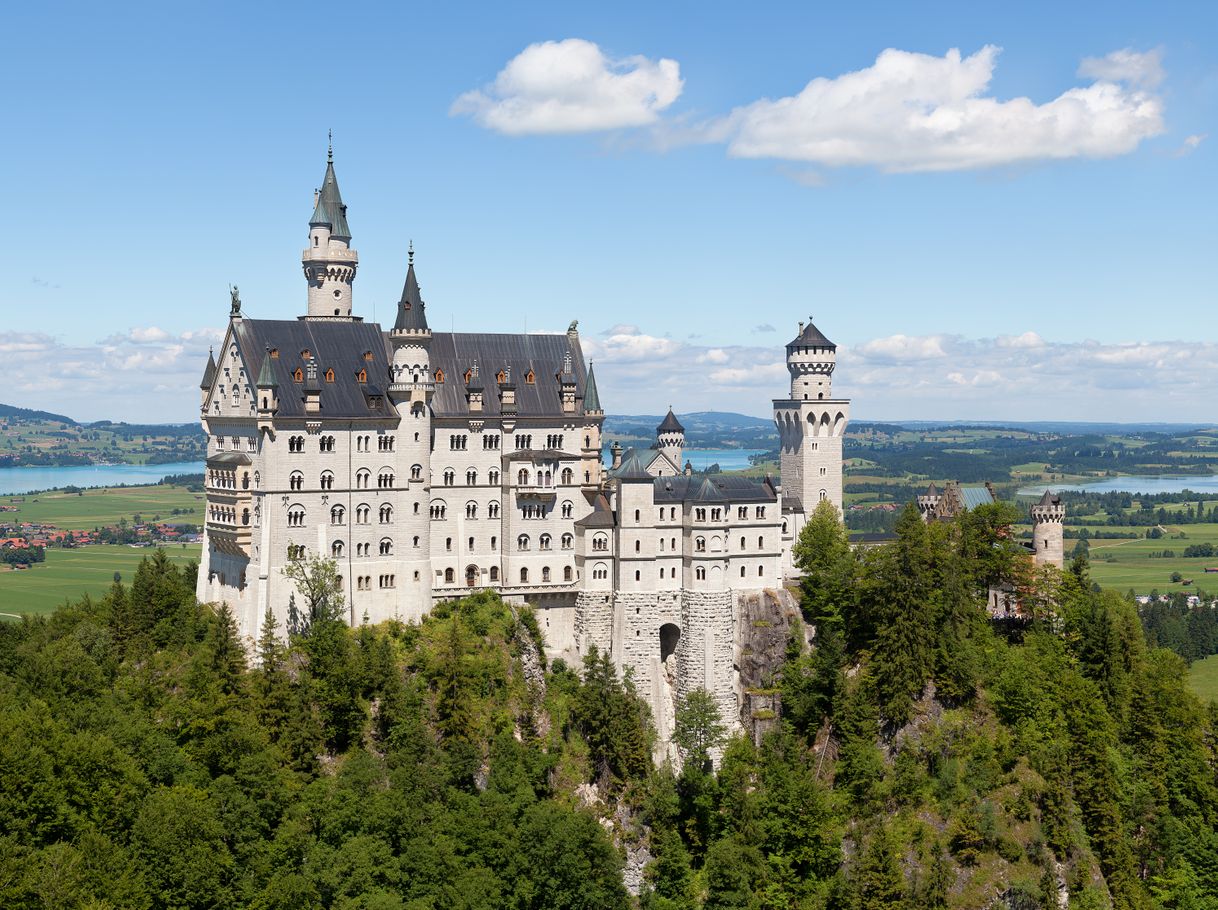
727, 459
1163, 483
24, 480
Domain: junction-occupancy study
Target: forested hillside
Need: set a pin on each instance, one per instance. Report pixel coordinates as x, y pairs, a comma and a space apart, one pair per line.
924, 757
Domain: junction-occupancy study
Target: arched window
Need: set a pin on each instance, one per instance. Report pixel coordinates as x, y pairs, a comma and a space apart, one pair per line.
416, 472
245, 519
450, 477
524, 576
438, 508
760, 543
471, 478
362, 512
492, 510
566, 573
296, 517
336, 549
545, 573
384, 480
494, 573
362, 376
567, 509
522, 542
337, 515
295, 480
600, 542
638, 546
760, 571
362, 477
700, 544
450, 576
567, 541
638, 575
522, 477
492, 477
386, 514
298, 375
567, 475
471, 510
327, 480
543, 542
700, 573
386, 546
530, 377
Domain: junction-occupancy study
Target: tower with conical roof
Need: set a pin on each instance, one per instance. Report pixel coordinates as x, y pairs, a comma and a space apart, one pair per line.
329, 262
411, 387
592, 464
670, 439
811, 425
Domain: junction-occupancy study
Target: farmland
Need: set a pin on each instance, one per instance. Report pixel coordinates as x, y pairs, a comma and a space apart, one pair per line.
95, 508
1203, 678
67, 574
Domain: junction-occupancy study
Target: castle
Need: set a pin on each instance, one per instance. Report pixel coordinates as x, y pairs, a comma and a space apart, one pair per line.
427, 464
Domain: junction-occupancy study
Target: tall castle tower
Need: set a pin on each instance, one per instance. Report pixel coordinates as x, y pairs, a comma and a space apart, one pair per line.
329, 262
1048, 517
811, 425
411, 389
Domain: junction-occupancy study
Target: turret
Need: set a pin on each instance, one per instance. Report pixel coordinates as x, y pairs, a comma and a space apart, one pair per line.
811, 359
1048, 518
209, 377
267, 390
670, 438
329, 262
594, 418
411, 340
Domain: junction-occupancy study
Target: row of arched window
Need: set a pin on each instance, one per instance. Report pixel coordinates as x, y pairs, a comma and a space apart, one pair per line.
544, 542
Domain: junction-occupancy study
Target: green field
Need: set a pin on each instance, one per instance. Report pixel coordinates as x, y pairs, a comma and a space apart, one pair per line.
67, 574
1203, 678
105, 506
1125, 564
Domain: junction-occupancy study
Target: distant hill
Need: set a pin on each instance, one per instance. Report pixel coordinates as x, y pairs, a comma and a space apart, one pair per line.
703, 429
8, 410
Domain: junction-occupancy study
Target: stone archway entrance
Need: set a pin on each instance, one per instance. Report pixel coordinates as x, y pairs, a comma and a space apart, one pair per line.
670, 637
471, 576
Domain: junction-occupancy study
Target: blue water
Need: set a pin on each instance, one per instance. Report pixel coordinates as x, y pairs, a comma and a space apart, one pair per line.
23, 480
727, 459
1164, 483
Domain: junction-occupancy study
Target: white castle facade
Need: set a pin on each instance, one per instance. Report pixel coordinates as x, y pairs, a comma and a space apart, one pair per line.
430, 464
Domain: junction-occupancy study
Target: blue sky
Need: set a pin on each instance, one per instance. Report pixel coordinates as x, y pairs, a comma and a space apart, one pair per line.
689, 201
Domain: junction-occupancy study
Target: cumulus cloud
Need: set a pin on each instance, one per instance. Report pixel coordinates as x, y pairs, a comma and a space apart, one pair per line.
918, 112
572, 86
145, 374
904, 347
1190, 144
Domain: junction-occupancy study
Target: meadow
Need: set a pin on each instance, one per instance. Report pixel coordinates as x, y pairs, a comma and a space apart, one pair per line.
67, 574
1125, 564
1203, 678
95, 508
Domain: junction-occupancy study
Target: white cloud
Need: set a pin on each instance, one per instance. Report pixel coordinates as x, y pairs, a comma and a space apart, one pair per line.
143, 375
904, 347
1190, 144
1026, 340
571, 86
917, 112
1143, 69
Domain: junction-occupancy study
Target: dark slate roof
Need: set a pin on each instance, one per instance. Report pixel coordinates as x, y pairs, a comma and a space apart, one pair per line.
226, 458
713, 488
209, 373
811, 337
333, 344
1049, 500
670, 424
632, 468
455, 353
411, 309
932, 490
330, 209
592, 398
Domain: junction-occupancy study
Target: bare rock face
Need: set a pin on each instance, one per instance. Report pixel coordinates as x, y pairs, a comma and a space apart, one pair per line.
764, 624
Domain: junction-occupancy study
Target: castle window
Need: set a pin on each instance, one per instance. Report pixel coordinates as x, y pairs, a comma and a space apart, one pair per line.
362, 376
298, 375
761, 511
450, 576
522, 542
700, 544
362, 511
823, 495
567, 475
416, 542
329, 375
439, 375
492, 477
638, 546
568, 541
337, 515
743, 546
545, 573
296, 517
494, 544
449, 477
448, 544
524, 576
384, 480
295, 480
362, 477
501, 377
327, 480
742, 512
530, 377
742, 571
760, 543
494, 573
638, 577
386, 514
471, 477
566, 573
416, 472
567, 509
386, 546
543, 542
306, 354
469, 374
438, 509
600, 542
471, 510
700, 573
760, 571
522, 477
336, 549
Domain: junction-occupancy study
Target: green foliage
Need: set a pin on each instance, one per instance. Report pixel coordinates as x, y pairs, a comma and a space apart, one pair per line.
699, 727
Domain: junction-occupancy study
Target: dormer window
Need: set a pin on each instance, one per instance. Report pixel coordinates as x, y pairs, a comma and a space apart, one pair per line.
469, 374
298, 375
329, 375
439, 375
368, 355
362, 376
530, 377
501, 377
274, 353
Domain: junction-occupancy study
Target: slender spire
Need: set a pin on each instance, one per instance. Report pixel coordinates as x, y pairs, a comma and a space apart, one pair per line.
411, 309
209, 372
592, 400
330, 146
329, 209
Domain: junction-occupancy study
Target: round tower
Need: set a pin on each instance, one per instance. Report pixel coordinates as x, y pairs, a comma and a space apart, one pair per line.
329, 262
811, 359
1048, 517
670, 438
411, 389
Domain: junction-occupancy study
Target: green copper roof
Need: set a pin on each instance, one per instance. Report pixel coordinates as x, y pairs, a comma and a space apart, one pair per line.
592, 400
330, 209
411, 315
266, 375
